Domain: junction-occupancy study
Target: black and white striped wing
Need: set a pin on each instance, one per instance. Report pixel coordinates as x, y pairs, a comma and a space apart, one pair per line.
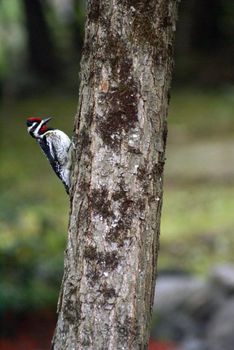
56, 146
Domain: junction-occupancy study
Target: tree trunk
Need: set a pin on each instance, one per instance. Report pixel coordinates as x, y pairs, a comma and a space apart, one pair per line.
42, 54
120, 135
206, 31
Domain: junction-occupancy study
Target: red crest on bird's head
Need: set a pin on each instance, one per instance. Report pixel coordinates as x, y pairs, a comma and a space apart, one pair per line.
32, 120
33, 123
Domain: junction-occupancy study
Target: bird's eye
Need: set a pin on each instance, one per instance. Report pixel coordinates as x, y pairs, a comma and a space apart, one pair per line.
29, 123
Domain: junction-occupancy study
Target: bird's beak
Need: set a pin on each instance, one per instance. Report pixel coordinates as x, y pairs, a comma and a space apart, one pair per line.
45, 121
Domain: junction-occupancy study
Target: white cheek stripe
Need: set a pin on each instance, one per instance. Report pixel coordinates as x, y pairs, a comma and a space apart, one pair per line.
31, 127
36, 132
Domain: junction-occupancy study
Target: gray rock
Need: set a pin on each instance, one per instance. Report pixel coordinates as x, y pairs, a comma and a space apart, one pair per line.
172, 291
196, 313
223, 276
203, 302
220, 330
196, 296
174, 326
174, 320
193, 344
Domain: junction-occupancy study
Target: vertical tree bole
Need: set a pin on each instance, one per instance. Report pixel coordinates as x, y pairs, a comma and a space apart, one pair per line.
120, 135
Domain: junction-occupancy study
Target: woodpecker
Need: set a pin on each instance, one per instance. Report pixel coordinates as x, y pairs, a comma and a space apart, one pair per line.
55, 144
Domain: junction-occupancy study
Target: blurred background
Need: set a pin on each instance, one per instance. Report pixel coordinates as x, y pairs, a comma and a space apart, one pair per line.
40, 49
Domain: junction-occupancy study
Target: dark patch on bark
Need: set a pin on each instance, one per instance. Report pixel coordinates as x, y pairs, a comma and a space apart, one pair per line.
126, 204
105, 261
84, 185
93, 274
143, 29
164, 135
85, 341
158, 169
72, 306
84, 138
110, 260
170, 50
128, 328
140, 204
144, 177
107, 292
90, 253
141, 173
100, 202
116, 51
94, 13
158, 175
99, 262
165, 19
128, 209
119, 194
118, 234
121, 100
148, 31
134, 150
121, 115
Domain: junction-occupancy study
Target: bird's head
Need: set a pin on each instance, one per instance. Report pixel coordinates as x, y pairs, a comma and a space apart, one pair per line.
37, 127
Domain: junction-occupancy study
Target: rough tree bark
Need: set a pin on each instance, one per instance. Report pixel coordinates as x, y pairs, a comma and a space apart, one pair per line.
120, 135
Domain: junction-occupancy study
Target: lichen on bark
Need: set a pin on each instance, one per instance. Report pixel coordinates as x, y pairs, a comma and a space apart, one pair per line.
120, 137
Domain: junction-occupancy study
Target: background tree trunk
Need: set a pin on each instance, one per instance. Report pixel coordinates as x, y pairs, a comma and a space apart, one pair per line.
42, 53
120, 130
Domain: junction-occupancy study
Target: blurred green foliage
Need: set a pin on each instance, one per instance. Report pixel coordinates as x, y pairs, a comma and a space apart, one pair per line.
197, 221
